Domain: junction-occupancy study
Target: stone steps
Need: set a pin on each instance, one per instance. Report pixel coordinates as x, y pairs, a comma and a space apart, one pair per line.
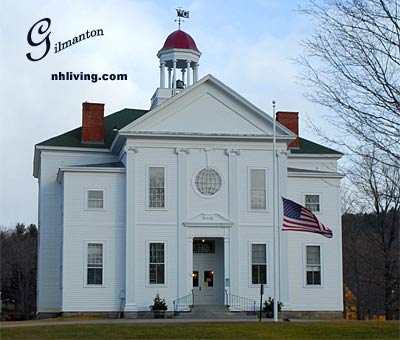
213, 312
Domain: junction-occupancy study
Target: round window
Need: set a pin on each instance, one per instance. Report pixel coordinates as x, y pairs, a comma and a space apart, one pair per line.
208, 181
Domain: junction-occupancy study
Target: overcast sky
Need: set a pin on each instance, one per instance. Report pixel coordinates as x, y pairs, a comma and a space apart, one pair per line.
247, 45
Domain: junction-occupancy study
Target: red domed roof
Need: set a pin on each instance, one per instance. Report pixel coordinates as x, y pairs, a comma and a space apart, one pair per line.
179, 39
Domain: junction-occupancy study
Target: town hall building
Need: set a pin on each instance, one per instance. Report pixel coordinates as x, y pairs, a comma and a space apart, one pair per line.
178, 200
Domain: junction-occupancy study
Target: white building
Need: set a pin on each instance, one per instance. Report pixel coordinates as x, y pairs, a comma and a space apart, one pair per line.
177, 200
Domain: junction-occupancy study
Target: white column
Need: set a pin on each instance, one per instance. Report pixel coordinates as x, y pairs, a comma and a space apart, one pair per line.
227, 267
130, 247
195, 72
162, 75
184, 274
233, 216
174, 75
169, 78
188, 73
189, 263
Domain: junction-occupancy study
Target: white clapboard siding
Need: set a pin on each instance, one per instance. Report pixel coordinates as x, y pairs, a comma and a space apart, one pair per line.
50, 222
313, 163
329, 295
82, 226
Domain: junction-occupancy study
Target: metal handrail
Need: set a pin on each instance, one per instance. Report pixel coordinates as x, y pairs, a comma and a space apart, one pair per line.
183, 303
240, 302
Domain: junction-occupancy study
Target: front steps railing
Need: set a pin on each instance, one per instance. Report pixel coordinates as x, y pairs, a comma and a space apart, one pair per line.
240, 303
184, 303
234, 302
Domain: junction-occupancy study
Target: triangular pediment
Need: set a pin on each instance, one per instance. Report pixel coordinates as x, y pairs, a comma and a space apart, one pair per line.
208, 220
207, 108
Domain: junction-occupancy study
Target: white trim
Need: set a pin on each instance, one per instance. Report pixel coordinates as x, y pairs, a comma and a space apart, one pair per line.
147, 264
147, 189
85, 264
196, 135
321, 253
92, 169
250, 264
176, 145
87, 199
69, 148
208, 220
314, 155
194, 182
61, 171
319, 194
254, 225
249, 208
316, 175
140, 223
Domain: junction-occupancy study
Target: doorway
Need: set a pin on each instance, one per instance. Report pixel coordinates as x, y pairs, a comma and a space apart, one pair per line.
208, 271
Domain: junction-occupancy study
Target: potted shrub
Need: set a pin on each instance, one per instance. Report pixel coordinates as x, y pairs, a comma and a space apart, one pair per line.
158, 307
269, 307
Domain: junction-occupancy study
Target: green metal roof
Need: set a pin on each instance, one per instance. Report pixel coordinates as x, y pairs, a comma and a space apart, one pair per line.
126, 116
73, 138
308, 147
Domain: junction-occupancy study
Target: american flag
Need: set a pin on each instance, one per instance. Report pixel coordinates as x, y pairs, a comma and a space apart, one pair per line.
299, 218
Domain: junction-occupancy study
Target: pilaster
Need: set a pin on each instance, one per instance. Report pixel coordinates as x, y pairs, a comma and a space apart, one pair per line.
130, 256
231, 253
227, 265
184, 271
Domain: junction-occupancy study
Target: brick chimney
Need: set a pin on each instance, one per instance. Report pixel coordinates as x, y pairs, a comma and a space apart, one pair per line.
291, 121
92, 123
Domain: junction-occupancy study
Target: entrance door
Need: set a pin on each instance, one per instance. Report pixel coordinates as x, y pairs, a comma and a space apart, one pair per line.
207, 274
204, 276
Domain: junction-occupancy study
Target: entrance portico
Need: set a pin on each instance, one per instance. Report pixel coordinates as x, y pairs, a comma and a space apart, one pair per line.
208, 259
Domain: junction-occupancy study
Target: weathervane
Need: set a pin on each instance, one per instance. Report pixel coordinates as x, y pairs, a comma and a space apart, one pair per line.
181, 13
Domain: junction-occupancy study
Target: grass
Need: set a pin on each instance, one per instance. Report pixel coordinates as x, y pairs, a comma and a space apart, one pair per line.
220, 330
61, 318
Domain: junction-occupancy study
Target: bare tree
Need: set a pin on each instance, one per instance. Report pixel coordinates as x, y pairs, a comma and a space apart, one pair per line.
352, 63
18, 270
379, 184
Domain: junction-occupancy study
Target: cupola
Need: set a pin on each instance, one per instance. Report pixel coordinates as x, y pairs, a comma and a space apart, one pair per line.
179, 59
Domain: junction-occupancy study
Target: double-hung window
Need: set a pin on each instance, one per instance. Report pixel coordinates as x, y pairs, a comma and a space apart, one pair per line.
94, 264
313, 265
156, 187
312, 202
258, 263
258, 190
157, 263
95, 199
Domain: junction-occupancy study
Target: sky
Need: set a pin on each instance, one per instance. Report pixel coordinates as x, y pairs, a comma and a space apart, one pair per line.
249, 46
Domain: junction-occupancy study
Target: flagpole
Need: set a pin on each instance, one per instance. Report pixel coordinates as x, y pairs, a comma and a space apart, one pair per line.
274, 208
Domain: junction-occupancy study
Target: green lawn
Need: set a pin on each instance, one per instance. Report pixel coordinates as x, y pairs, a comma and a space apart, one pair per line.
220, 330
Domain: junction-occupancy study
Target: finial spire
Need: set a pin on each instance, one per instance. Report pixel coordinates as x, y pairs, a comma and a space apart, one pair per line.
181, 14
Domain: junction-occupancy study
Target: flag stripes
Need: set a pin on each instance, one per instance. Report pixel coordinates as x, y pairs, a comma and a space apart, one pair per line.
299, 218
